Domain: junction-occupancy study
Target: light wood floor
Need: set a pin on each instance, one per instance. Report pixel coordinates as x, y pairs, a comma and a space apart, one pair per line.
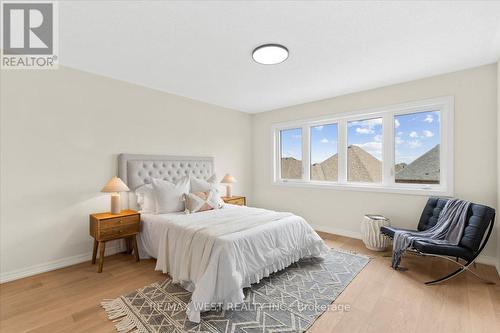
380, 299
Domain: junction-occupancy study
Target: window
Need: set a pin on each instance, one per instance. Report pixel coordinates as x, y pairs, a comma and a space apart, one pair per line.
324, 152
364, 151
291, 153
417, 139
403, 148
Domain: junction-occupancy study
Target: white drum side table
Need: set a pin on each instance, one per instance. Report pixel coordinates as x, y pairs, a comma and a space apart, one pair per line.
370, 232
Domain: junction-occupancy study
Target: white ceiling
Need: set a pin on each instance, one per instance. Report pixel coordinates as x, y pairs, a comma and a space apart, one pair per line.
202, 49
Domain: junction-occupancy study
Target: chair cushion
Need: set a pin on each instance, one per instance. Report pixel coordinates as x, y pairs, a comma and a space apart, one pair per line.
446, 250
431, 212
389, 231
478, 220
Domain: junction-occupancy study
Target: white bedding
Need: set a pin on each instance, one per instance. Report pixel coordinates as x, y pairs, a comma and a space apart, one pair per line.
215, 254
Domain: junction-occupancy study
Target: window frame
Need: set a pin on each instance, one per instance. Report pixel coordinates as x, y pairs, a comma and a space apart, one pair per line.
445, 105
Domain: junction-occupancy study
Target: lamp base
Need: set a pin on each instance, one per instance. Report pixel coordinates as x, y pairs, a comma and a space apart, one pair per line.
115, 204
228, 191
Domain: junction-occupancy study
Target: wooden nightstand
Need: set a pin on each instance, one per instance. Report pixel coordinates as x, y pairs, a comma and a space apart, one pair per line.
106, 226
235, 200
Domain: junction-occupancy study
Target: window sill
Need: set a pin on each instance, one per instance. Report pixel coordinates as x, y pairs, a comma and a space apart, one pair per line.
365, 187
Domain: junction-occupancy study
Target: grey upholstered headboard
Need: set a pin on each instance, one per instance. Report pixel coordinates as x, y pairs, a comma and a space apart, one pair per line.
136, 170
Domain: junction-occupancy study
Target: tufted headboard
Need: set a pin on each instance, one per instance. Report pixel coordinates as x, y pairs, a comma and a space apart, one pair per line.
136, 170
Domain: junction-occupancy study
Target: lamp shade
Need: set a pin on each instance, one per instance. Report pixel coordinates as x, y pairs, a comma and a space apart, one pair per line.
115, 185
228, 179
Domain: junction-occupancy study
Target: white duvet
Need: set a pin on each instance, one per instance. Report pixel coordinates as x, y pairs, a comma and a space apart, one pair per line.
215, 254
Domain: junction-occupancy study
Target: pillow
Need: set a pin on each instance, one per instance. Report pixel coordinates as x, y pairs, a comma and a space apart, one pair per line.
146, 198
201, 201
170, 196
201, 185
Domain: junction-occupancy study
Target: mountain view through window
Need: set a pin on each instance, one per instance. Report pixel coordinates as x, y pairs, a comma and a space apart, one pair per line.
417, 148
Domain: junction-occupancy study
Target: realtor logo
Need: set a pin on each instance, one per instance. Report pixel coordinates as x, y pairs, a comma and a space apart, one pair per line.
28, 35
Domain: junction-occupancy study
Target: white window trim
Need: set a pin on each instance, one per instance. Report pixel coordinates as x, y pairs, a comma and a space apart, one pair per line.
443, 104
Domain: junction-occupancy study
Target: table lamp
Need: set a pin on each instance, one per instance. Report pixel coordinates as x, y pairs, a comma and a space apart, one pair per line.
115, 186
228, 180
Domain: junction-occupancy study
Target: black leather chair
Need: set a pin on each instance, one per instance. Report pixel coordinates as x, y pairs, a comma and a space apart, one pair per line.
480, 220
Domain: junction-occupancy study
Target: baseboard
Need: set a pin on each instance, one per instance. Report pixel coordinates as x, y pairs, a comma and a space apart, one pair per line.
337, 231
482, 259
55, 264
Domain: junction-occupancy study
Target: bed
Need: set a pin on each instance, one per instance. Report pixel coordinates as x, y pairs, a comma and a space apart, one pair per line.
215, 254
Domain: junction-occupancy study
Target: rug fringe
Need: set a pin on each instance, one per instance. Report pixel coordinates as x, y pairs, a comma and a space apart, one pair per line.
125, 325
114, 308
117, 311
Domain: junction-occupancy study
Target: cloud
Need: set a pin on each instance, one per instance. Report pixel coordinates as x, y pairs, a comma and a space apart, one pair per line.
377, 138
399, 141
427, 134
364, 130
396, 123
401, 133
429, 119
324, 140
319, 128
414, 144
373, 148
292, 153
413, 134
297, 136
365, 126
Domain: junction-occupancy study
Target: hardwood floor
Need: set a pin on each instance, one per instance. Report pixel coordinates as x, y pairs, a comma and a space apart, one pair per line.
380, 299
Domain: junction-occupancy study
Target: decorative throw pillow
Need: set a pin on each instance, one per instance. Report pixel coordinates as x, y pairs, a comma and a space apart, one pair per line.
170, 196
146, 198
201, 201
201, 185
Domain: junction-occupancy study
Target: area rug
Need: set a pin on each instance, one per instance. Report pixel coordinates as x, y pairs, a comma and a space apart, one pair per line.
287, 301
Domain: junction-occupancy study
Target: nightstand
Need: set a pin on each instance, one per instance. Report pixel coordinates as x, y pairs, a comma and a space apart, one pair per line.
106, 226
235, 200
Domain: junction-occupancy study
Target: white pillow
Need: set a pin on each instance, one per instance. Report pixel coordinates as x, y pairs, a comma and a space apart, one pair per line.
146, 199
201, 185
169, 196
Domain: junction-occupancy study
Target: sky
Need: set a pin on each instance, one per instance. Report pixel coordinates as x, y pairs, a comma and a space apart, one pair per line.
323, 142
366, 134
291, 143
415, 134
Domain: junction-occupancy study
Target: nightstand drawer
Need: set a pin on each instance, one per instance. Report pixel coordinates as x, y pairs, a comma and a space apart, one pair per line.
118, 232
119, 221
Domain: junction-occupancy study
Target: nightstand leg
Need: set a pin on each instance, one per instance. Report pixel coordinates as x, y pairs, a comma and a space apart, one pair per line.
94, 253
102, 247
128, 243
136, 251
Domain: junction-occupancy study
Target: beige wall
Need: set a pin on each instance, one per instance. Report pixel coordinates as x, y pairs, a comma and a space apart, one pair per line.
341, 211
61, 131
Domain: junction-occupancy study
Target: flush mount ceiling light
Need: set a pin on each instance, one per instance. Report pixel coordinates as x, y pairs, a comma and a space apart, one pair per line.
270, 54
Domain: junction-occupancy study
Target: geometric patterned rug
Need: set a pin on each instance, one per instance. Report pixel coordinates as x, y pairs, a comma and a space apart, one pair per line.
287, 301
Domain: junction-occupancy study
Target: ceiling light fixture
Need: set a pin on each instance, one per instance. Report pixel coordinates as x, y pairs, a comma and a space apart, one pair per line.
270, 54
